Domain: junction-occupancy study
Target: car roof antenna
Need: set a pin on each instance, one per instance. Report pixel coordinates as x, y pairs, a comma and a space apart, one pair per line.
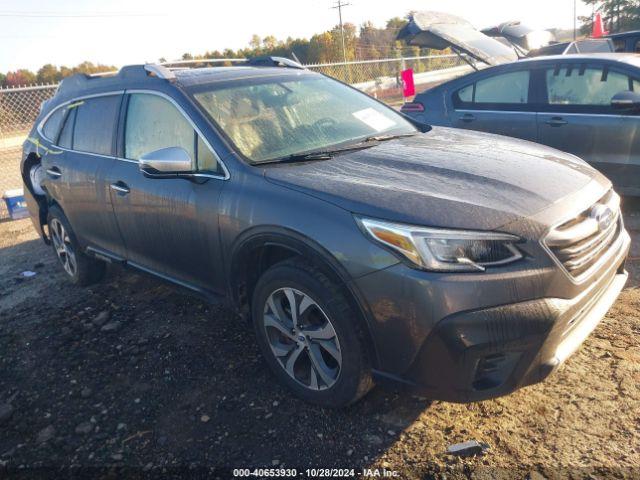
467, 60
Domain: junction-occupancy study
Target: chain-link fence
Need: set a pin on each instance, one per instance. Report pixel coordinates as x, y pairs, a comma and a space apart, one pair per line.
19, 108
381, 77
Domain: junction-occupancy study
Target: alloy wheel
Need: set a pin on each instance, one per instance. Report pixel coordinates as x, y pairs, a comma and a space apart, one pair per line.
302, 338
63, 248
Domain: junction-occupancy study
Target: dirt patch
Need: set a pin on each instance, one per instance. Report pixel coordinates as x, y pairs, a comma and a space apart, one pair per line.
135, 373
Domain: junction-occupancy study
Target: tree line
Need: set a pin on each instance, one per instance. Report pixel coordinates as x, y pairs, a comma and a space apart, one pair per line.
617, 15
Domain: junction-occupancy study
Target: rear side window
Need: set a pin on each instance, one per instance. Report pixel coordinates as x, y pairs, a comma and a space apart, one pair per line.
66, 135
507, 88
52, 126
95, 124
591, 86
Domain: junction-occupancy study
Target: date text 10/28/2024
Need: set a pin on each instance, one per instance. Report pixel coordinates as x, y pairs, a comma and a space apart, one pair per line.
315, 473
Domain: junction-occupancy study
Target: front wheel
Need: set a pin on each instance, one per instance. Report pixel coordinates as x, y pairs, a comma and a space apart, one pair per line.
81, 269
308, 334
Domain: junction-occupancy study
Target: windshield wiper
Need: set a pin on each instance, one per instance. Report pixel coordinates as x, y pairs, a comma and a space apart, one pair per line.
318, 154
384, 138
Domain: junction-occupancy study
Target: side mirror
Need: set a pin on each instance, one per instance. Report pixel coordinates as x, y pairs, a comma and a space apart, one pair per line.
626, 101
170, 160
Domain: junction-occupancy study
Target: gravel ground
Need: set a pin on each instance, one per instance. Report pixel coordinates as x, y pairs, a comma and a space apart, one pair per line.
135, 373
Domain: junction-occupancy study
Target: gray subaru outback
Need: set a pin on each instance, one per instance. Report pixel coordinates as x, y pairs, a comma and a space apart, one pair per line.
363, 247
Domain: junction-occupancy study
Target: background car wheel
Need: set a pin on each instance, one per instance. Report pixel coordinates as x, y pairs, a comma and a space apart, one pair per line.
81, 269
308, 334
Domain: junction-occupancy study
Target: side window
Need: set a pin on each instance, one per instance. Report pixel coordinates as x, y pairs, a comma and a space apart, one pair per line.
619, 45
591, 86
508, 88
154, 123
95, 124
66, 135
207, 161
52, 126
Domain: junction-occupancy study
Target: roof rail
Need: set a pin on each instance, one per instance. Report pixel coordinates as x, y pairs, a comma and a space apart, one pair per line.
268, 61
160, 71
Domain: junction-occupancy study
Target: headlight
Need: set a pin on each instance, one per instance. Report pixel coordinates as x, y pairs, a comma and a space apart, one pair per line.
445, 250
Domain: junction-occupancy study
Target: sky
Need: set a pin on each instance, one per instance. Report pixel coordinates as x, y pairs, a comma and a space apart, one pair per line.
120, 32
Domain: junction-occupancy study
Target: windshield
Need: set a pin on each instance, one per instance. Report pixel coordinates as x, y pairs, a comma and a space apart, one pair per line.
283, 116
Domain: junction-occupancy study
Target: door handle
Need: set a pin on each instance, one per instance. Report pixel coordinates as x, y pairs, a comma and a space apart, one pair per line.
120, 187
54, 172
468, 118
556, 122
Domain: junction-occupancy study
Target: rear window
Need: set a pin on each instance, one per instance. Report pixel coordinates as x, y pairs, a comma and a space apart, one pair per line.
592, 86
95, 124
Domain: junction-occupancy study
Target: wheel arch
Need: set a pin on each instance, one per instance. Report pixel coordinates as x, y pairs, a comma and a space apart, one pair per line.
257, 250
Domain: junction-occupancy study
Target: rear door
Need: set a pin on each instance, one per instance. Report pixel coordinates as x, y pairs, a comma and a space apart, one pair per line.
169, 225
500, 103
76, 172
577, 117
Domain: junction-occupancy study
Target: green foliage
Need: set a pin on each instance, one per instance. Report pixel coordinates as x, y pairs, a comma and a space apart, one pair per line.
618, 15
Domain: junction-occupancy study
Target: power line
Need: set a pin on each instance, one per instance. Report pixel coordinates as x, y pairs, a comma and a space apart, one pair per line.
339, 6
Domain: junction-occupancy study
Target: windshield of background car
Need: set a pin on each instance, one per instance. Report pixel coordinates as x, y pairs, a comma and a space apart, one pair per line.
271, 118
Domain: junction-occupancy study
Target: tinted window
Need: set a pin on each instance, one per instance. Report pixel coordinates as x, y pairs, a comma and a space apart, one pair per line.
154, 123
508, 88
66, 135
584, 86
52, 125
95, 124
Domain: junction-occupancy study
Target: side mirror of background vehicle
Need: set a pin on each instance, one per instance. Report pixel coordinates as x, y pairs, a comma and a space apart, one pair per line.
626, 101
170, 160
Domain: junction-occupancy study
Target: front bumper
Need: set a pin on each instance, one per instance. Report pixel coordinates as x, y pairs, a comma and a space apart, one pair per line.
478, 353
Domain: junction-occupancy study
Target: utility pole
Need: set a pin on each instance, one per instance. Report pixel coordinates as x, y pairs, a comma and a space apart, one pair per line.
339, 6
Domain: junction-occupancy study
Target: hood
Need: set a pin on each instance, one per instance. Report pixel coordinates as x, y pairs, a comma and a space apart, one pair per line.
440, 30
444, 178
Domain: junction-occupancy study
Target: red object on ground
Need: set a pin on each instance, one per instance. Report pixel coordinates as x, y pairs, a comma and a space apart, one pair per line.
598, 26
408, 87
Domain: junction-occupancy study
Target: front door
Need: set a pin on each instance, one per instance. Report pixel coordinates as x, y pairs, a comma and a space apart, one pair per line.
577, 118
497, 104
169, 225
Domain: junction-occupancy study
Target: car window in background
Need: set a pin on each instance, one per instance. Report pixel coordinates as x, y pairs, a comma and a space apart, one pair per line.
95, 124
508, 88
584, 86
276, 118
619, 45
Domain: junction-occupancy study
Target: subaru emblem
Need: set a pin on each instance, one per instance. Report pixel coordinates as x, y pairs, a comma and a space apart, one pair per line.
603, 215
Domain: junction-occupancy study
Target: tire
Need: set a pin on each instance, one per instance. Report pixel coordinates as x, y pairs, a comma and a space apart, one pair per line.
81, 269
322, 359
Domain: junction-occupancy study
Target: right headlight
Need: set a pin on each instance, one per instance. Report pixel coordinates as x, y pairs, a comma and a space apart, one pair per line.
444, 250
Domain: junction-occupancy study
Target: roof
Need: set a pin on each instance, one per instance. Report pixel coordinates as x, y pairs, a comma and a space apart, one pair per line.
632, 33
150, 74
629, 58
199, 76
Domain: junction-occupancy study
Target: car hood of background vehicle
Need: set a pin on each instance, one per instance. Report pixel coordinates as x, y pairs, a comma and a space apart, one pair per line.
444, 178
